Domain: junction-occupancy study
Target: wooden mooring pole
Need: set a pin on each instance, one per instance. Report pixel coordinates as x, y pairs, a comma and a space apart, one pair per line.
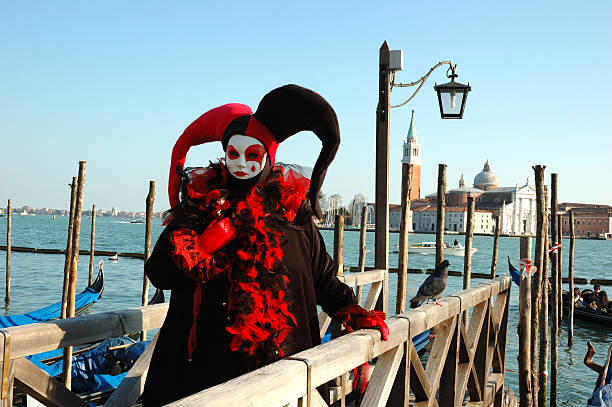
560, 267
440, 218
402, 258
363, 229
554, 311
74, 265
524, 330
467, 258
147, 248
68, 256
7, 295
543, 328
570, 275
536, 284
338, 242
92, 243
495, 248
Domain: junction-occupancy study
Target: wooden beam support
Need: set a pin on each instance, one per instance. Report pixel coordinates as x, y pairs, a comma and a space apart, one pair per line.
35, 382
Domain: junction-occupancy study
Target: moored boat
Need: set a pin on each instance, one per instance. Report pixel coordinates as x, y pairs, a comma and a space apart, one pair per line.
83, 301
430, 248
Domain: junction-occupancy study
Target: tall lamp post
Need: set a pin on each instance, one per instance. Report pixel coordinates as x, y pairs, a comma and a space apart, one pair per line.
451, 99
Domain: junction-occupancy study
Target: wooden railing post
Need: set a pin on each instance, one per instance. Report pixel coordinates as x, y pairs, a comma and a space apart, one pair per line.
524, 329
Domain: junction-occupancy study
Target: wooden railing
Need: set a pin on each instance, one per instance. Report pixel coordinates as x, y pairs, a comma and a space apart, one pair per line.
20, 341
470, 356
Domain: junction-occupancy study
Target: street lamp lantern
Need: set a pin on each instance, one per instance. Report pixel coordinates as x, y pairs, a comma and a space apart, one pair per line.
452, 97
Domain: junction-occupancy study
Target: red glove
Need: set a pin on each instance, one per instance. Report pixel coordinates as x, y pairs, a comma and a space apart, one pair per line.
355, 317
193, 252
216, 236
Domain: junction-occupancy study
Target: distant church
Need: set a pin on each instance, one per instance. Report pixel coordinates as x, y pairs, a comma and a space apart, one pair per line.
515, 206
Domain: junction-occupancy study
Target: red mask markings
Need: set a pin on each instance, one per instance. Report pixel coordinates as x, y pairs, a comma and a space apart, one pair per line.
255, 153
232, 154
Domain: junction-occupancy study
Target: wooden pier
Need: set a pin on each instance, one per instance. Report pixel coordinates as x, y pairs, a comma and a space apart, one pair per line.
470, 357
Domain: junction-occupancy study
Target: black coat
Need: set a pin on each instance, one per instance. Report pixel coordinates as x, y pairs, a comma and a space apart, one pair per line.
312, 282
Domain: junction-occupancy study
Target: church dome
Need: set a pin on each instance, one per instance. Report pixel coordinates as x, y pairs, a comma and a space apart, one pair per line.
486, 179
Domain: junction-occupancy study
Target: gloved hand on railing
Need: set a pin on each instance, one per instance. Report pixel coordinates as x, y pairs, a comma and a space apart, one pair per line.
355, 317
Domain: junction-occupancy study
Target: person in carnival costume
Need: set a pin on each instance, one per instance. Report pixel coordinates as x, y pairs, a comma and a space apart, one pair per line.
240, 252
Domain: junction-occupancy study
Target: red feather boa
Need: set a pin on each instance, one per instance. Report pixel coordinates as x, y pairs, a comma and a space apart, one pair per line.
260, 318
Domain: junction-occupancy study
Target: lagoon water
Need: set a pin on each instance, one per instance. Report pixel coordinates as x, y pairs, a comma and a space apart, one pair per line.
36, 280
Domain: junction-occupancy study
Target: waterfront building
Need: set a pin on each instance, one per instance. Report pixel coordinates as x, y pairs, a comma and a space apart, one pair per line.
395, 218
590, 220
515, 206
458, 196
424, 219
412, 155
355, 208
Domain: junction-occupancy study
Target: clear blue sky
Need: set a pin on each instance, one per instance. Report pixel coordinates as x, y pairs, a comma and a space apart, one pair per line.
115, 83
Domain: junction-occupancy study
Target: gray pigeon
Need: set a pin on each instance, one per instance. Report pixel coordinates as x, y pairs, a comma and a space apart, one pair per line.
433, 286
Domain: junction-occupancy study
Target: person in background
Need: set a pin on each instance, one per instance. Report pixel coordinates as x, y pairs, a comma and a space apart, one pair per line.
246, 265
578, 300
600, 297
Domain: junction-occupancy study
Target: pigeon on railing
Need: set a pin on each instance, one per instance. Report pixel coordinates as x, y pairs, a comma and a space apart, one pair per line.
432, 287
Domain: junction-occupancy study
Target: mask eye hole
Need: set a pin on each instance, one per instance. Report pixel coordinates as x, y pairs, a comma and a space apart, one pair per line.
252, 156
233, 154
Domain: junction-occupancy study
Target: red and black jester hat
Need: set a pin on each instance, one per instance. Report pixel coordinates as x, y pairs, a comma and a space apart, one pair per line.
281, 113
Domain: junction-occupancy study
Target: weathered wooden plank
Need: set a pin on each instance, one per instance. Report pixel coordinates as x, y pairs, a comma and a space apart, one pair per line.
373, 295
448, 386
494, 383
324, 321
358, 279
382, 378
439, 351
132, 385
50, 335
35, 382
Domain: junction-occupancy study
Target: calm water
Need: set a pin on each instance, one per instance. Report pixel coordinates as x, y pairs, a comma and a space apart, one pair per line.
36, 280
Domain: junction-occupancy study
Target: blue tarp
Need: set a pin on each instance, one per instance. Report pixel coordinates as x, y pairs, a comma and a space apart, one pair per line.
92, 370
83, 299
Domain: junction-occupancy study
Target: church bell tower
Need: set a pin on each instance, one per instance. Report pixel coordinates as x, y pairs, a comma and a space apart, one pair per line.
412, 155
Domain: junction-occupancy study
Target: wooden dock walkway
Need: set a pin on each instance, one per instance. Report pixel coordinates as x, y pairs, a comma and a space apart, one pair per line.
470, 357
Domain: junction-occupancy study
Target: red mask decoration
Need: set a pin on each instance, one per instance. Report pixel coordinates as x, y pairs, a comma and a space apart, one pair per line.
245, 156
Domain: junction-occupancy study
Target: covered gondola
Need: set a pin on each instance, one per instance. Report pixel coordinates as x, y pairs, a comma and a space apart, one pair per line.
83, 301
585, 312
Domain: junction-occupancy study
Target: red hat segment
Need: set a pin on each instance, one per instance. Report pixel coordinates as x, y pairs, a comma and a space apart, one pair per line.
257, 130
206, 128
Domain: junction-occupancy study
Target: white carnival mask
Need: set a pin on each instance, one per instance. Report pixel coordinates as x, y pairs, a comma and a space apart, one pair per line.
245, 156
